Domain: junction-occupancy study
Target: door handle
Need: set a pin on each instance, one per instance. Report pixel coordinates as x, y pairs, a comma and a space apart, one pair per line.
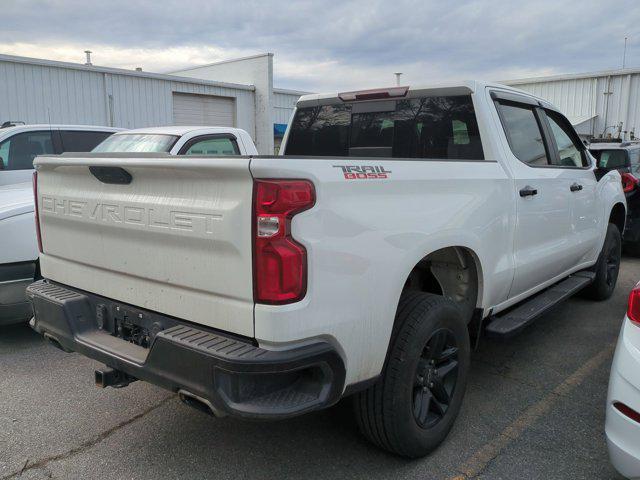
528, 191
575, 187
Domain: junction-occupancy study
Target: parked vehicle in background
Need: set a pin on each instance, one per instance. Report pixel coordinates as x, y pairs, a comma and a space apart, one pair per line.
20, 144
355, 264
216, 141
623, 401
625, 158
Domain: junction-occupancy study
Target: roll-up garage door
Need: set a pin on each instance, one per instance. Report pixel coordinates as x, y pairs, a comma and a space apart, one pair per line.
203, 110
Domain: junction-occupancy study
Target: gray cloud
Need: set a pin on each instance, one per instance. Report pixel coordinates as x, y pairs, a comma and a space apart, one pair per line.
326, 45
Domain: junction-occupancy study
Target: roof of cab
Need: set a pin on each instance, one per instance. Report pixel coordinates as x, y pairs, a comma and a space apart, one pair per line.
180, 130
448, 88
614, 145
46, 126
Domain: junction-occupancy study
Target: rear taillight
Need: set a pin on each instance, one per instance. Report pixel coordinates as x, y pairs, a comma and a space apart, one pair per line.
629, 182
280, 263
633, 308
37, 214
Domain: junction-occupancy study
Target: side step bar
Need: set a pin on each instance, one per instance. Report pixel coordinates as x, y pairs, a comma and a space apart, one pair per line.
513, 321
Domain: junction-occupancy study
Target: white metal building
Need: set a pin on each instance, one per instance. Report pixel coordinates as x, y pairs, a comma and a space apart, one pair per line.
46, 91
599, 104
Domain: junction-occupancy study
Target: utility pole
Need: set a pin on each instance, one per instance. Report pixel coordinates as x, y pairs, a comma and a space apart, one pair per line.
624, 53
398, 75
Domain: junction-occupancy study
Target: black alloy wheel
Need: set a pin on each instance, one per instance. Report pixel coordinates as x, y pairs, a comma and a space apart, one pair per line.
436, 377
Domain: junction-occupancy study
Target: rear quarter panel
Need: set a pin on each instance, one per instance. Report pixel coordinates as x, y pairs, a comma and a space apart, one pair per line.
363, 237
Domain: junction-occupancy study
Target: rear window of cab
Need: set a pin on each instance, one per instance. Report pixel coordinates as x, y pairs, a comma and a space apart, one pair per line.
430, 127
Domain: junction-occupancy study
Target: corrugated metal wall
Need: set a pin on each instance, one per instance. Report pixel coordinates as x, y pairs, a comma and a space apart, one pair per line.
283, 105
586, 97
36, 93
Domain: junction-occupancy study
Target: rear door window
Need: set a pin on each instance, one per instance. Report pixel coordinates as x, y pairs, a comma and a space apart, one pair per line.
429, 127
81, 141
524, 133
18, 151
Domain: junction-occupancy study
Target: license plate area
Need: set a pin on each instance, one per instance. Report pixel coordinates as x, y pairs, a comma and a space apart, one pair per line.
131, 324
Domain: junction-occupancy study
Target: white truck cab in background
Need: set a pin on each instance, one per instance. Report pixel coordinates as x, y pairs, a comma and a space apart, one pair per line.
396, 222
18, 265
217, 141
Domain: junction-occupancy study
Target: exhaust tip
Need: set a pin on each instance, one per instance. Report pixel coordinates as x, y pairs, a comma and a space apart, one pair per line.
199, 403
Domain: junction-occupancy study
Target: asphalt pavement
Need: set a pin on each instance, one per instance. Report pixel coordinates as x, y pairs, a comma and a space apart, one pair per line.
534, 409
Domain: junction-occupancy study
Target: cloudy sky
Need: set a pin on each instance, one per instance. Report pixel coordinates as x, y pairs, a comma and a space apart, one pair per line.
329, 45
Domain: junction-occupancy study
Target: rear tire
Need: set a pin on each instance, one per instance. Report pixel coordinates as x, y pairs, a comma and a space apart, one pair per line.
411, 409
607, 267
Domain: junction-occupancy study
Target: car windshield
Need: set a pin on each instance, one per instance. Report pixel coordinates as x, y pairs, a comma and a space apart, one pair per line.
137, 142
614, 158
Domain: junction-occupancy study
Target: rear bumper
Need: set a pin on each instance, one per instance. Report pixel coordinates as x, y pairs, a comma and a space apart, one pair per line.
233, 374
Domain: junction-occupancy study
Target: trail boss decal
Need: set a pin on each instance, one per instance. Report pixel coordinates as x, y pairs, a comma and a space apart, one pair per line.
363, 172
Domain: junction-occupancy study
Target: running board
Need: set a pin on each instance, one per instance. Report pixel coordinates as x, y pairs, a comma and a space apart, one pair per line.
512, 322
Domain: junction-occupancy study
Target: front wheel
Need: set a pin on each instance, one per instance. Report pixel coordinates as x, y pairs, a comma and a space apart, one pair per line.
411, 409
607, 267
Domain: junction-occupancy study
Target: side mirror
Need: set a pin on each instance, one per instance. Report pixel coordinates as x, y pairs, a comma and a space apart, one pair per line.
586, 142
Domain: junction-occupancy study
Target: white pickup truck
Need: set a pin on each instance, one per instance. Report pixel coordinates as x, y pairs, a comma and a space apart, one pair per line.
19, 252
397, 222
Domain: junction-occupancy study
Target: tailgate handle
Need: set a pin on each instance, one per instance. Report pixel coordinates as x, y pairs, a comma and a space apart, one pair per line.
113, 175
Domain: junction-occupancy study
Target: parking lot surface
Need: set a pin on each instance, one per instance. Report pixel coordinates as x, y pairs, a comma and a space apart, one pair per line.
534, 409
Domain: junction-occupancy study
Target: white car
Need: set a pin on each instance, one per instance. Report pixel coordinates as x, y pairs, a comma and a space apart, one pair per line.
623, 401
267, 287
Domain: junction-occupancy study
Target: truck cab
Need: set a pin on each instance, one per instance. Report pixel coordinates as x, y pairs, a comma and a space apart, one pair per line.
196, 140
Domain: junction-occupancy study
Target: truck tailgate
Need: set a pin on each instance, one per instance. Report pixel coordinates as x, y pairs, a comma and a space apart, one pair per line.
175, 240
